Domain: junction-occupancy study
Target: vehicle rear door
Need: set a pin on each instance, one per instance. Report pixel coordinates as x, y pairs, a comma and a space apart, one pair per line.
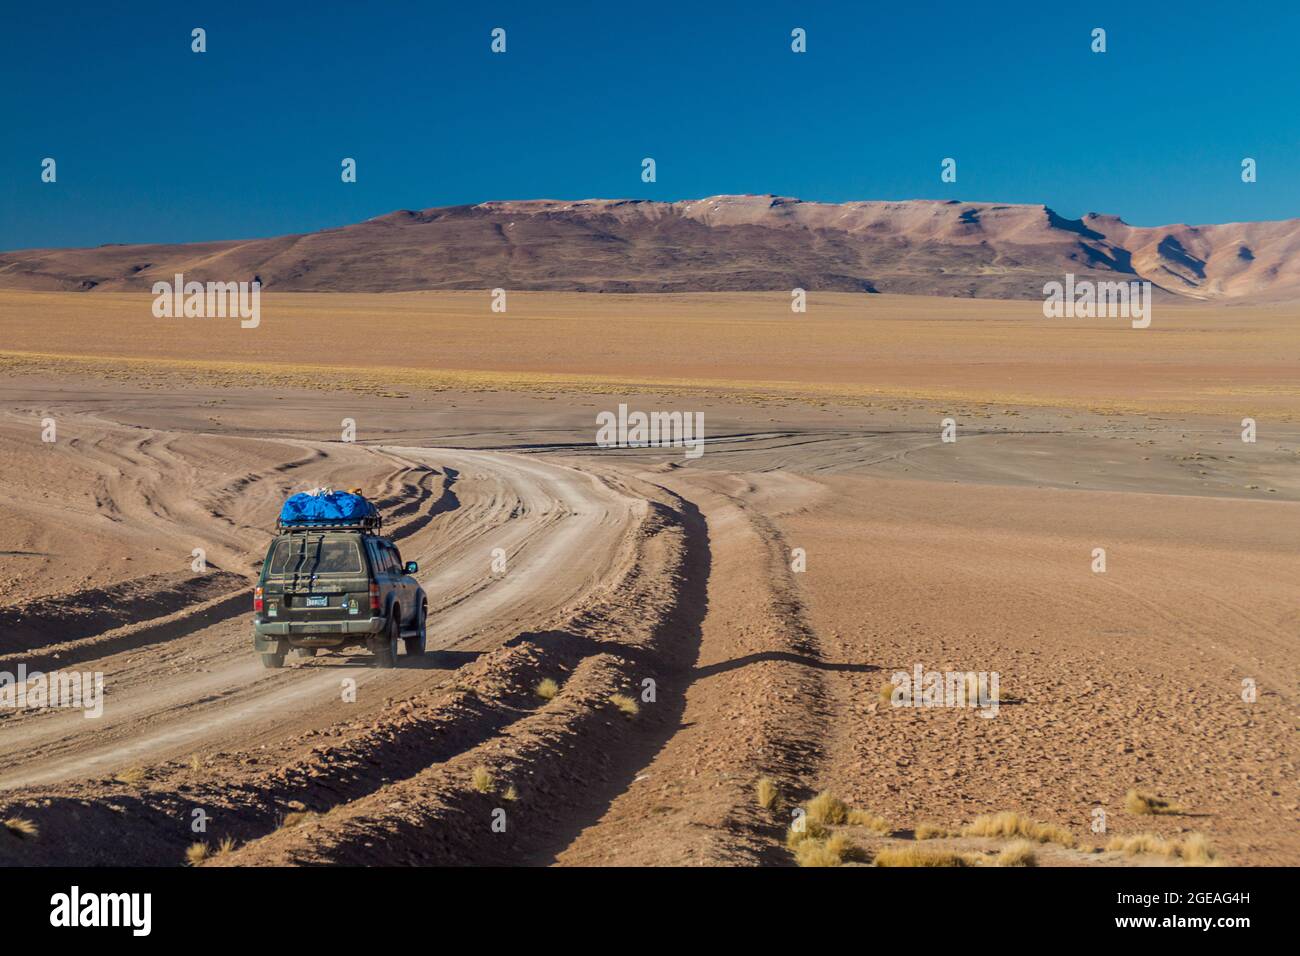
319, 576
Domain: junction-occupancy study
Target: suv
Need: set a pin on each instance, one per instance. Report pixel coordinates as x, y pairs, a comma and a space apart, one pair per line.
334, 587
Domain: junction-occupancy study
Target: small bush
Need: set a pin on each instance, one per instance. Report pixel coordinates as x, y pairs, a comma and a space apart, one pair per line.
1019, 853
911, 855
930, 831
766, 792
1194, 850
812, 830
833, 851
547, 689
624, 703
482, 780
1006, 825
22, 828
827, 808
1144, 804
861, 818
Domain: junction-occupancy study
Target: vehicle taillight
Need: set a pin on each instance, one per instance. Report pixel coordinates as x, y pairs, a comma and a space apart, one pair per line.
374, 598
257, 600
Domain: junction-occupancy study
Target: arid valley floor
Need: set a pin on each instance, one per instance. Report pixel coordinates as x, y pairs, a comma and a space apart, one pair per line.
475, 431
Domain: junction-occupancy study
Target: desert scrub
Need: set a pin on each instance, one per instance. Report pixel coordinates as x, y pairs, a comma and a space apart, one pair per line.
625, 703
547, 688
22, 828
911, 855
833, 851
1144, 804
826, 808
481, 779
861, 818
1019, 853
809, 830
1008, 824
930, 831
1194, 849
767, 793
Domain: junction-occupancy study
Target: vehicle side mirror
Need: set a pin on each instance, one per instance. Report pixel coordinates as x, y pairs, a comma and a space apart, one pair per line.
411, 567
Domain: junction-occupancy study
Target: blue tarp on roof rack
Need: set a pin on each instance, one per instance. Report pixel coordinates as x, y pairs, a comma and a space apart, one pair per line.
334, 507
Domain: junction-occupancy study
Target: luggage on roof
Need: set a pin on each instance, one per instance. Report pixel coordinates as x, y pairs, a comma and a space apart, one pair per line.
328, 509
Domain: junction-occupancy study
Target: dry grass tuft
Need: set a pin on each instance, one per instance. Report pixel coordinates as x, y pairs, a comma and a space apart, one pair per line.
1194, 850
1019, 853
297, 817
887, 693
1005, 825
827, 808
931, 831
196, 854
22, 828
1144, 804
909, 855
131, 776
812, 830
510, 794
626, 704
482, 780
227, 845
195, 762
833, 851
767, 793
861, 818
1139, 844
547, 689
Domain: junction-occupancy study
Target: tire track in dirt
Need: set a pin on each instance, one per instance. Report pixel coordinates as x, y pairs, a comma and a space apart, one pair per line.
404, 736
204, 689
566, 758
755, 701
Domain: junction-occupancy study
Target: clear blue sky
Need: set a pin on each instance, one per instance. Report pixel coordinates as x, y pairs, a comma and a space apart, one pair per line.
155, 143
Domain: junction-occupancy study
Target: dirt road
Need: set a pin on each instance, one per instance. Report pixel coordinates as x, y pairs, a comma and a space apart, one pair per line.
557, 531
692, 653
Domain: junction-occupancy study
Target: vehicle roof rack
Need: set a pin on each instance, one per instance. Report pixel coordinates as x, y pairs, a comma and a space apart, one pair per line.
370, 523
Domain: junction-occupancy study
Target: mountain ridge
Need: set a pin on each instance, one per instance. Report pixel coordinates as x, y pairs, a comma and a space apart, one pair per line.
719, 243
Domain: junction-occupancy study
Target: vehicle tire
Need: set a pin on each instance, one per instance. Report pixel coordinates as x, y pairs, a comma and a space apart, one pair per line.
415, 645
304, 652
384, 647
273, 660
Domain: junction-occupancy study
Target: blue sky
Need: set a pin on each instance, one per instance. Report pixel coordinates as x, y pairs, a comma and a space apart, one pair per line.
156, 143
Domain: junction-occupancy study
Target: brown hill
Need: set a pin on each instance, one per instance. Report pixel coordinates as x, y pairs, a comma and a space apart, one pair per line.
723, 243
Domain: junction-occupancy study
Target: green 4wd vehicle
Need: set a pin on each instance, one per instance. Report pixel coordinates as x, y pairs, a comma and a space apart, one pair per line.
333, 585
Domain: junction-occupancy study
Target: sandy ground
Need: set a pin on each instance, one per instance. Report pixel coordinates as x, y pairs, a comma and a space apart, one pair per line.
854, 349
633, 565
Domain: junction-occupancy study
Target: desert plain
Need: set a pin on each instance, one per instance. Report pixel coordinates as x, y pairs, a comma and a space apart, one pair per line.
827, 538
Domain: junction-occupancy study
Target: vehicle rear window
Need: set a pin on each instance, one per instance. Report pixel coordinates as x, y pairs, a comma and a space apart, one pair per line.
314, 554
